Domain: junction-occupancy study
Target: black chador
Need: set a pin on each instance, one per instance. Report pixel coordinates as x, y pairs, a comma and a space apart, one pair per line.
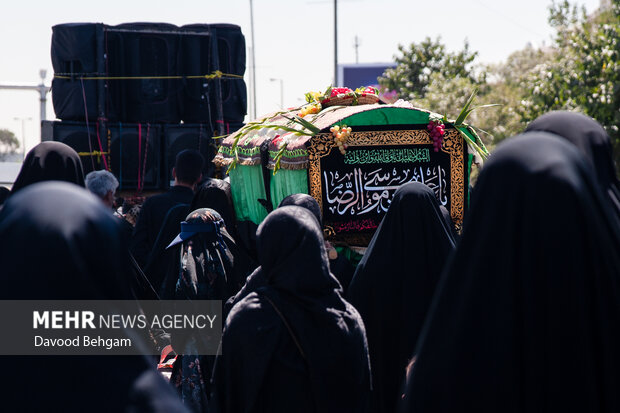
50, 161
527, 315
293, 344
592, 141
58, 242
394, 283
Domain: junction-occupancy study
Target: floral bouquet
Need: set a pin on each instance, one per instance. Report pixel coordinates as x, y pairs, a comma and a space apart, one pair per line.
343, 96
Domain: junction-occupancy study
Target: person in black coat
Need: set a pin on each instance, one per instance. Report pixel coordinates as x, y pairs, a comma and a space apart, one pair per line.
527, 315
58, 242
293, 345
187, 173
394, 284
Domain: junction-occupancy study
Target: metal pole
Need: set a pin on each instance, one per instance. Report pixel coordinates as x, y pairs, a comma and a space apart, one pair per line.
43, 95
335, 43
253, 58
41, 88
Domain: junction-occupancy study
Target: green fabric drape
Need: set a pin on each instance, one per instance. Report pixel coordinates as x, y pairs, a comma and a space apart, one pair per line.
246, 184
287, 182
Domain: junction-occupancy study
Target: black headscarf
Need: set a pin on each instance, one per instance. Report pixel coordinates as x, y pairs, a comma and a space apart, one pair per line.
304, 201
58, 242
208, 258
527, 315
261, 368
206, 263
216, 194
340, 267
394, 283
591, 140
50, 161
257, 279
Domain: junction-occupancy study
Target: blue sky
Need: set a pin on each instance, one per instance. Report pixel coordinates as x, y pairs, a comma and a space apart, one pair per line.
294, 38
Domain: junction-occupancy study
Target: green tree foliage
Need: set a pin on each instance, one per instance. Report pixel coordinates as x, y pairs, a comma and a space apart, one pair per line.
583, 73
503, 85
8, 143
433, 78
418, 62
579, 71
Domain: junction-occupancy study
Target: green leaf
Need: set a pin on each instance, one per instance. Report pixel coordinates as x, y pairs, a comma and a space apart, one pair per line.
482, 152
288, 129
232, 166
304, 123
482, 130
278, 158
466, 111
328, 91
487, 106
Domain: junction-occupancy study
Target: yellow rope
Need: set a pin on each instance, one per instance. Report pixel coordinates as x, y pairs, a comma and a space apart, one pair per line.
214, 75
93, 153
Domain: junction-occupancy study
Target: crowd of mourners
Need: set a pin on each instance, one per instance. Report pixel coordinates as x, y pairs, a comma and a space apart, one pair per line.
519, 312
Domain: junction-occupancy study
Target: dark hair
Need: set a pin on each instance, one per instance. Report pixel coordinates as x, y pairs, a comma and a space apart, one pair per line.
188, 166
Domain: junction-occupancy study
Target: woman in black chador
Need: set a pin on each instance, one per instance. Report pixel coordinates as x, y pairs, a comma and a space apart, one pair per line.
592, 141
293, 345
527, 315
58, 242
394, 283
50, 161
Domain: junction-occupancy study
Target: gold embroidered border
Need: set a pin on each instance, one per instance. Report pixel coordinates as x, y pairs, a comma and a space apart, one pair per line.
321, 145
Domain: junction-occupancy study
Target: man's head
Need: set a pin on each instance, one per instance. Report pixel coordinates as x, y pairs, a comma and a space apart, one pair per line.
103, 184
187, 169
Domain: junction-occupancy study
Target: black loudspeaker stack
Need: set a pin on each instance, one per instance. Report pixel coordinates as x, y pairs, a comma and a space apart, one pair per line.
131, 96
140, 155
